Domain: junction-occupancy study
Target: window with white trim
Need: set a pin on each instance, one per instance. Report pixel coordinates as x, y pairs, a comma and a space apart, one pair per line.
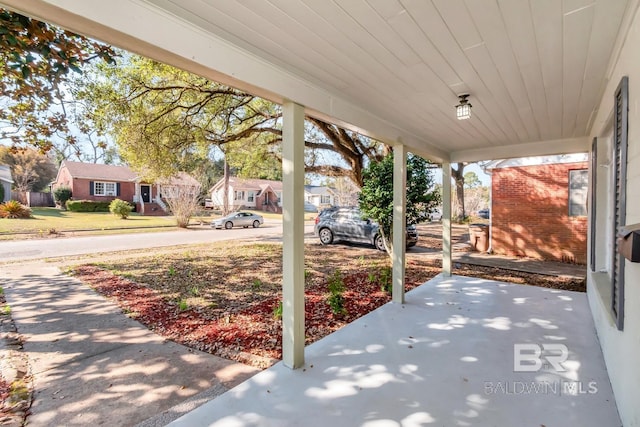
251, 196
325, 199
578, 189
104, 188
238, 195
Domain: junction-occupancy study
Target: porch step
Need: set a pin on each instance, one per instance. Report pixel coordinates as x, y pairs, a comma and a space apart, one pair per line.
152, 209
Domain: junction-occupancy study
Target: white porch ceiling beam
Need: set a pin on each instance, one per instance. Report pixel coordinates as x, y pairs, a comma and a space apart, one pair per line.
529, 149
146, 29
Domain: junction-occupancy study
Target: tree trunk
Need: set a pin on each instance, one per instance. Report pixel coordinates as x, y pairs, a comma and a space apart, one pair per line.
458, 177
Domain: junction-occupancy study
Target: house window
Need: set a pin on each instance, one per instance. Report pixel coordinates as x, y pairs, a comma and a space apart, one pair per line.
578, 185
325, 200
104, 188
279, 194
251, 196
238, 195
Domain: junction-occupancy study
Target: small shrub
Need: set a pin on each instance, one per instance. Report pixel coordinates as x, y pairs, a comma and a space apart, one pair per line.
386, 279
256, 285
6, 310
172, 271
14, 210
336, 291
120, 207
182, 305
61, 195
195, 291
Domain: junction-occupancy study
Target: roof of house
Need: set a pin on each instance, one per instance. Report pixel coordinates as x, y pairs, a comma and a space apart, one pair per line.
249, 184
182, 178
99, 171
5, 174
318, 189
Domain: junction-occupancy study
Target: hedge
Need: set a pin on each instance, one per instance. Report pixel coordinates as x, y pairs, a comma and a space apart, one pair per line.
87, 206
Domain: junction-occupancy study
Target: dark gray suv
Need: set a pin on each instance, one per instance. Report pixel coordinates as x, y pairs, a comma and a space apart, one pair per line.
347, 224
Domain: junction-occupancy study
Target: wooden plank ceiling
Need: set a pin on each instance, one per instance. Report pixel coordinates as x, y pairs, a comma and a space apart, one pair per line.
535, 69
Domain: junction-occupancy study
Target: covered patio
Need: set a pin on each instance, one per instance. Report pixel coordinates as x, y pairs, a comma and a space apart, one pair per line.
543, 77
445, 357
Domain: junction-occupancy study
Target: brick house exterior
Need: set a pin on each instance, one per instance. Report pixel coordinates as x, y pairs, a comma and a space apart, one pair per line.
82, 179
531, 212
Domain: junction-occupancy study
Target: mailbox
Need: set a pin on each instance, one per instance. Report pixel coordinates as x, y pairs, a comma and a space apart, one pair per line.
629, 242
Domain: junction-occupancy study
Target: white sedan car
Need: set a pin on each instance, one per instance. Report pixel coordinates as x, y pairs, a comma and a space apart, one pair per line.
238, 219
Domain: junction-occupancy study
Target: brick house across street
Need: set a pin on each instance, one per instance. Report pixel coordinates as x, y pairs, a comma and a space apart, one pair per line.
539, 207
98, 182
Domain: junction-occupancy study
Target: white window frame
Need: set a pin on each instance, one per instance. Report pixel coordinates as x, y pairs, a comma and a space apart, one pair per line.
238, 195
251, 196
325, 199
575, 192
104, 188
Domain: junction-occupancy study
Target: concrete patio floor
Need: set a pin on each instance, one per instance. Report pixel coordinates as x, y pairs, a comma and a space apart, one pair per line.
444, 358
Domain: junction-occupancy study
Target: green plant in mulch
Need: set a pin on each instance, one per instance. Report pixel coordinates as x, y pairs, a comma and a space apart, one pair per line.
277, 311
336, 293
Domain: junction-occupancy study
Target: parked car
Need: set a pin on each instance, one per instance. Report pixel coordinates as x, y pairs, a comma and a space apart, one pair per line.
484, 213
347, 224
310, 207
238, 219
435, 215
208, 204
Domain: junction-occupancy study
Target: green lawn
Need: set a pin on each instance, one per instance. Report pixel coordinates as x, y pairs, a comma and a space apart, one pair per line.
47, 219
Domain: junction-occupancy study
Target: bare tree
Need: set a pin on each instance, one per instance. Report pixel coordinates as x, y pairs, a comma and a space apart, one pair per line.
182, 199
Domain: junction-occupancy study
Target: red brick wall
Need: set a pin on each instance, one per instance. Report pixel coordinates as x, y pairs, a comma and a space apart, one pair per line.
530, 214
80, 191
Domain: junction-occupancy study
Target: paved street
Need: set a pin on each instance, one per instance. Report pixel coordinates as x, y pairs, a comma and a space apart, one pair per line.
67, 246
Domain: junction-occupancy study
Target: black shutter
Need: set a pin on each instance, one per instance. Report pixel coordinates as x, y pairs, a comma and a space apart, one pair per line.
621, 129
117, 189
91, 188
594, 186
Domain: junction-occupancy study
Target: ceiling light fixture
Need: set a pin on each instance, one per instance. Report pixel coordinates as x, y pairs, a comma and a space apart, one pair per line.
463, 110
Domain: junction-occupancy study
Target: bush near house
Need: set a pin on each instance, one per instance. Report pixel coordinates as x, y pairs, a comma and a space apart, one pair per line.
121, 208
61, 195
87, 206
14, 210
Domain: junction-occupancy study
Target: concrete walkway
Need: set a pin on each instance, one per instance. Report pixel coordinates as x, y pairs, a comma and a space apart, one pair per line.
94, 366
445, 358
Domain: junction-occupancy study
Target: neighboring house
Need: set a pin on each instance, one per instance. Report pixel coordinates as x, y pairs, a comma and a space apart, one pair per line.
260, 194
98, 182
5, 183
539, 207
320, 196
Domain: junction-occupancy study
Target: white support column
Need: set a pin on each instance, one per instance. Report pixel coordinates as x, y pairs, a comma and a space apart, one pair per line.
293, 235
399, 221
446, 219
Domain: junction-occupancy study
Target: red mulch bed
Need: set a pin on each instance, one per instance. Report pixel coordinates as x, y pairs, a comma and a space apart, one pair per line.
251, 334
